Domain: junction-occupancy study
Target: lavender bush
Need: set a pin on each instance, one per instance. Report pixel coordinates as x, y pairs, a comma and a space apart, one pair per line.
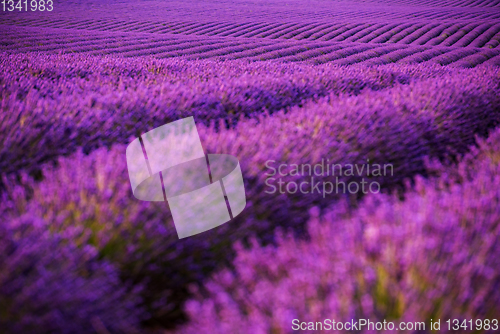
434, 255
51, 284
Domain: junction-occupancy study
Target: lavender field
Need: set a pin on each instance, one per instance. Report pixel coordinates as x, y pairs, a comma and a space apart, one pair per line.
413, 85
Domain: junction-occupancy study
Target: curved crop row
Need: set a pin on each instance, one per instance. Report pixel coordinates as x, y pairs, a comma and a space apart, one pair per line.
206, 27
311, 54
423, 55
459, 34
341, 53
296, 32
327, 30
431, 34
104, 25
42, 104
155, 48
493, 61
379, 35
256, 29
284, 52
284, 32
369, 54
394, 56
337, 31
453, 56
120, 26
312, 32
192, 49
476, 59
410, 38
472, 35
228, 52
164, 27
486, 37
449, 31
370, 29
258, 51
244, 27
147, 46
348, 33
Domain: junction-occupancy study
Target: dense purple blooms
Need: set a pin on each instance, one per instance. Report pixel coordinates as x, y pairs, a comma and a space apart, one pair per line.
51, 283
48, 114
433, 255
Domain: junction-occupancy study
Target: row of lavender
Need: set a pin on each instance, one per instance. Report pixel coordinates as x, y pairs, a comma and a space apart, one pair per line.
434, 255
51, 105
85, 201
